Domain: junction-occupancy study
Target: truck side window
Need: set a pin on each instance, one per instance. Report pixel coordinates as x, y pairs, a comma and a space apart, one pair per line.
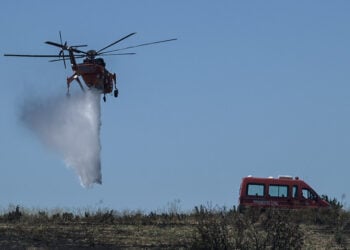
308, 194
295, 192
255, 189
280, 191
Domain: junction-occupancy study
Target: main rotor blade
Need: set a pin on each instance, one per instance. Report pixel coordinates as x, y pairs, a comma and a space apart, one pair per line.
121, 39
20, 55
144, 44
77, 50
119, 54
66, 58
77, 46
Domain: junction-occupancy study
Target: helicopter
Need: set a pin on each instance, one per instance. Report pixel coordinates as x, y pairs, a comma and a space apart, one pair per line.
93, 68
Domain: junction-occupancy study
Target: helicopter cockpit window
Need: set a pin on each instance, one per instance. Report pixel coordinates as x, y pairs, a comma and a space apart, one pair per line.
100, 61
87, 60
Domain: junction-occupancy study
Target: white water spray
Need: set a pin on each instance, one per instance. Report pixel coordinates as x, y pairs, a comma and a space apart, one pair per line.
71, 127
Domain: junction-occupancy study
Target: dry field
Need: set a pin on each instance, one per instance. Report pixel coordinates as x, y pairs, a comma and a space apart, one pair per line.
204, 228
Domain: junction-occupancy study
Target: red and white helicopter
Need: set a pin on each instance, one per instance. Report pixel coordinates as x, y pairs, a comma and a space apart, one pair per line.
93, 68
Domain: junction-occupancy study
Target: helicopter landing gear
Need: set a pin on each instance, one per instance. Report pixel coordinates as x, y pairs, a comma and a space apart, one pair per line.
116, 91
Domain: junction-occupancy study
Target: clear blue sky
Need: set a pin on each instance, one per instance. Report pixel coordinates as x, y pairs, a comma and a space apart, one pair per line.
250, 88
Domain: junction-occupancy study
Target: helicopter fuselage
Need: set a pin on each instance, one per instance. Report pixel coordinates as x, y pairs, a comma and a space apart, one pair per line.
94, 74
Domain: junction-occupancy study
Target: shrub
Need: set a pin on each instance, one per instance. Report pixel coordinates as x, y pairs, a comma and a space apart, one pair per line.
213, 229
335, 204
67, 217
14, 216
222, 229
282, 232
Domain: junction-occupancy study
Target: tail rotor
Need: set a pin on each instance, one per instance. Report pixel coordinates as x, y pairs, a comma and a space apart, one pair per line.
61, 56
63, 47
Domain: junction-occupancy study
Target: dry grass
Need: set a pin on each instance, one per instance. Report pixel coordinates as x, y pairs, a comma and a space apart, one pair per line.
111, 229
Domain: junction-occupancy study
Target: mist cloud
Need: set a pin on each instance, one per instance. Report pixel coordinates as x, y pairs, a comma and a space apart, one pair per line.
70, 127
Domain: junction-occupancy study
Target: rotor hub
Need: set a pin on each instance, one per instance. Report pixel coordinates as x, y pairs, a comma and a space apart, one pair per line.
91, 54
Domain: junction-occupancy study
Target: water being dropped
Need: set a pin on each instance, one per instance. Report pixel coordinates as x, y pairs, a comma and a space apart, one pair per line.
70, 127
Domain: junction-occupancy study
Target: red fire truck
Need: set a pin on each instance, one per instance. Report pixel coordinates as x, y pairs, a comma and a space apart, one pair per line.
281, 192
